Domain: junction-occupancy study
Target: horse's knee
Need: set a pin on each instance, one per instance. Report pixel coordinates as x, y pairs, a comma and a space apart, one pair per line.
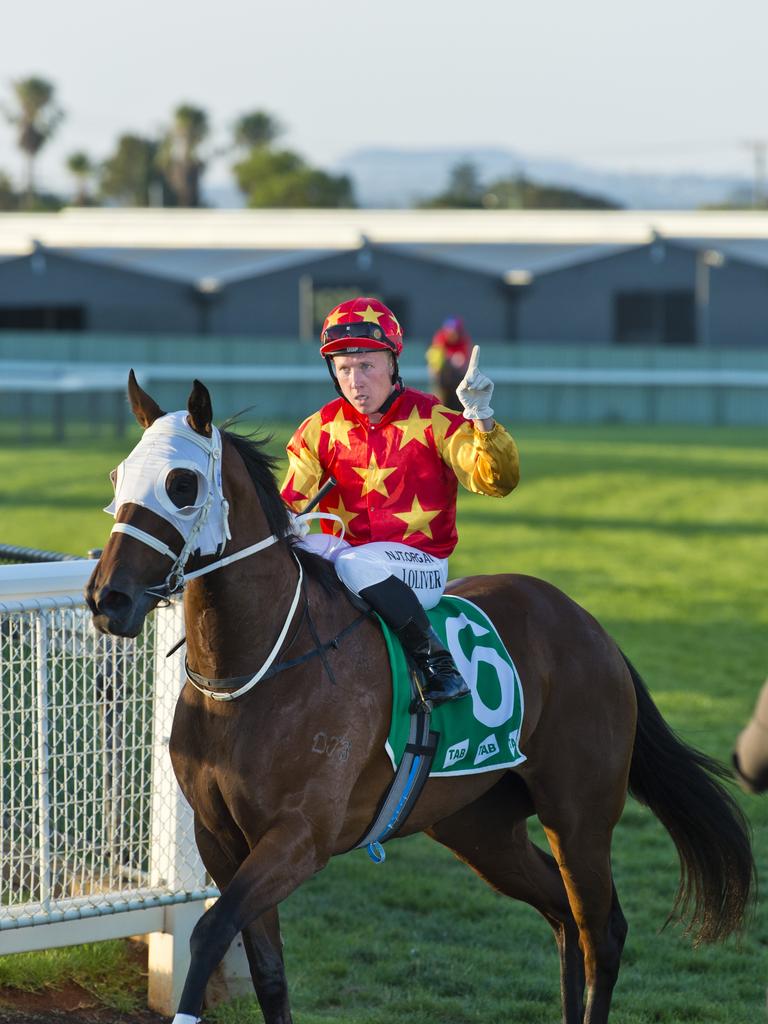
211, 938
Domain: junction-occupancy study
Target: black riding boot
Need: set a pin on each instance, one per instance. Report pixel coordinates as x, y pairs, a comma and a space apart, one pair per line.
397, 604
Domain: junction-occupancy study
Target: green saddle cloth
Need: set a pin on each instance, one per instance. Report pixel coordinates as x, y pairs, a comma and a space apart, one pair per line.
479, 733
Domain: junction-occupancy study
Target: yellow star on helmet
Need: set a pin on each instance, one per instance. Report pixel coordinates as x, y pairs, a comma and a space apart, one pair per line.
417, 520
333, 318
414, 428
369, 314
338, 429
373, 477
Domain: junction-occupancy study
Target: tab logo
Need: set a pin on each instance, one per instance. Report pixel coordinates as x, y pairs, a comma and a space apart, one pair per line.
486, 749
513, 747
456, 753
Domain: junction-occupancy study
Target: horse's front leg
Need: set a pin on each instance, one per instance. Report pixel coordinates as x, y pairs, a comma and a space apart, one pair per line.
222, 853
283, 858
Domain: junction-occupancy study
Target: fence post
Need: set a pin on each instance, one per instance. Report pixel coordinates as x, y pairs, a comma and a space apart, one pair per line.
43, 758
174, 861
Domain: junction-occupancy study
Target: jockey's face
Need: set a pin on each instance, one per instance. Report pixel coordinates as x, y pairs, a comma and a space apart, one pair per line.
365, 379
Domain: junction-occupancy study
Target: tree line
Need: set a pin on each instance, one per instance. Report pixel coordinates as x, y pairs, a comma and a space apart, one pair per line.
163, 170
167, 169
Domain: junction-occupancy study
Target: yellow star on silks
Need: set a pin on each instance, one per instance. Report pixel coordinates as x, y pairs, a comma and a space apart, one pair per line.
417, 520
343, 513
369, 314
338, 429
414, 428
373, 477
333, 318
305, 471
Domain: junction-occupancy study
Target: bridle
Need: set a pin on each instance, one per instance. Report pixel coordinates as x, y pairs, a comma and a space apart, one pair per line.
177, 578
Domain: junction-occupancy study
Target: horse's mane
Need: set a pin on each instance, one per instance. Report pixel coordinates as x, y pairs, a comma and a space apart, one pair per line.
261, 467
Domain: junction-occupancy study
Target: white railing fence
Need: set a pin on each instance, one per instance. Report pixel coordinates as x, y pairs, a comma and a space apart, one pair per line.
97, 841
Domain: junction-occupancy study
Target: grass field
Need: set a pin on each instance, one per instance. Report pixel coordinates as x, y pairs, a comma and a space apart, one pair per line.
660, 533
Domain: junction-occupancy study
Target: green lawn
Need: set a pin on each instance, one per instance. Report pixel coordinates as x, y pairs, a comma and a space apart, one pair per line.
661, 533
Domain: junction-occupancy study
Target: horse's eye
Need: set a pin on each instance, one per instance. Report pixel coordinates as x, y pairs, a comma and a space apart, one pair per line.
181, 487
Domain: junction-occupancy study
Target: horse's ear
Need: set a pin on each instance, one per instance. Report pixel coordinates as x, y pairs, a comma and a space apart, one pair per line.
200, 410
145, 409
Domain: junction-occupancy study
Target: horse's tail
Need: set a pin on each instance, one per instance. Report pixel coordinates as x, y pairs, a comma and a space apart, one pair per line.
680, 785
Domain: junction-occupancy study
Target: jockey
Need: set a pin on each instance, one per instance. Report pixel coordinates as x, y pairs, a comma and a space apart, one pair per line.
452, 344
397, 456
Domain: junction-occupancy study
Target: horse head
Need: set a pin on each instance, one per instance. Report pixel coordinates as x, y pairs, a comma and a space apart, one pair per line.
171, 507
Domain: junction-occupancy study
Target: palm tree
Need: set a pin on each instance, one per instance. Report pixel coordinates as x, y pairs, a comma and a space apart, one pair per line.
131, 175
82, 169
256, 129
180, 156
36, 117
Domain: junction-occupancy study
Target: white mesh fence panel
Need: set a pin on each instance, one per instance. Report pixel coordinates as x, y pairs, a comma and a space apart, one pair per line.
92, 819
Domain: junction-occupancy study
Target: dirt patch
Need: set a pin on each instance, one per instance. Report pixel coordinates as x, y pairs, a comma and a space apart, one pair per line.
71, 1004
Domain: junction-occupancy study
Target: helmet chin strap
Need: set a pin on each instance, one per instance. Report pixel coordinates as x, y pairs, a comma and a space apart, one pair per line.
395, 393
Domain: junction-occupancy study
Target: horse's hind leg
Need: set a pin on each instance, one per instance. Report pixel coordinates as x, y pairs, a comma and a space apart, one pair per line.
262, 940
582, 850
491, 836
264, 949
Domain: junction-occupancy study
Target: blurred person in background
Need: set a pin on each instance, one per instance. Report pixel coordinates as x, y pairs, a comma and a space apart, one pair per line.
397, 457
447, 360
750, 755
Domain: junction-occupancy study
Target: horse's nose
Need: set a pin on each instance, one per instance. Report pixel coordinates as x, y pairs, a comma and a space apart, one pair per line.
113, 604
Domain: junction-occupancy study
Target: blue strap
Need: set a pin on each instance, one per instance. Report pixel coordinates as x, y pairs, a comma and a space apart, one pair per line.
376, 852
406, 793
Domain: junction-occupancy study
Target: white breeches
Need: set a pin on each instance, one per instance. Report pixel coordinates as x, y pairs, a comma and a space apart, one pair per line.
363, 565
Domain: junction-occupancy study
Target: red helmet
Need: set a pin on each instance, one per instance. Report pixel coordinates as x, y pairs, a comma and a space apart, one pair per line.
358, 325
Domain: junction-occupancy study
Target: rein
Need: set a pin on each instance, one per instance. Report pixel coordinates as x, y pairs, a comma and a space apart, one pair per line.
206, 685
234, 694
175, 582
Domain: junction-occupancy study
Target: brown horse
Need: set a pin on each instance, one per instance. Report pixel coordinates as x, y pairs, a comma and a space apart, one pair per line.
269, 813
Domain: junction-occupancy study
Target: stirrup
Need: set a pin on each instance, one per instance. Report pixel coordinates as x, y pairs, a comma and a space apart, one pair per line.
419, 704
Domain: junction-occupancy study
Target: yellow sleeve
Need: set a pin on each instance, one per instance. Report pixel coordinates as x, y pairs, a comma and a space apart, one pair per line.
435, 358
485, 463
305, 472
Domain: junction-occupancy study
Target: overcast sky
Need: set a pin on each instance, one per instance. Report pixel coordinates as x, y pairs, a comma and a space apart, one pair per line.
659, 84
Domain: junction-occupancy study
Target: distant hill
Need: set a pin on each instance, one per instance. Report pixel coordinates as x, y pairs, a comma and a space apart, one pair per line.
399, 177
392, 178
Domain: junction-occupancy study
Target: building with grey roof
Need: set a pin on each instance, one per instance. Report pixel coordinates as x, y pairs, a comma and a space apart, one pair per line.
619, 277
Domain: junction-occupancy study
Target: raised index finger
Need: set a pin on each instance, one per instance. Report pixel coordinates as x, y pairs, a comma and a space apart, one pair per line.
474, 359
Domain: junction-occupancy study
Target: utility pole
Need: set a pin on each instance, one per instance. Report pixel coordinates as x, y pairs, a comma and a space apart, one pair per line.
759, 149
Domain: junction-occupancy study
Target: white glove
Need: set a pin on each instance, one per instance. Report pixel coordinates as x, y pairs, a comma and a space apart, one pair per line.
474, 392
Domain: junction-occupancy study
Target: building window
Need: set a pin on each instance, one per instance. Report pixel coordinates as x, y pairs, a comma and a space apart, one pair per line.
326, 296
655, 317
42, 318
